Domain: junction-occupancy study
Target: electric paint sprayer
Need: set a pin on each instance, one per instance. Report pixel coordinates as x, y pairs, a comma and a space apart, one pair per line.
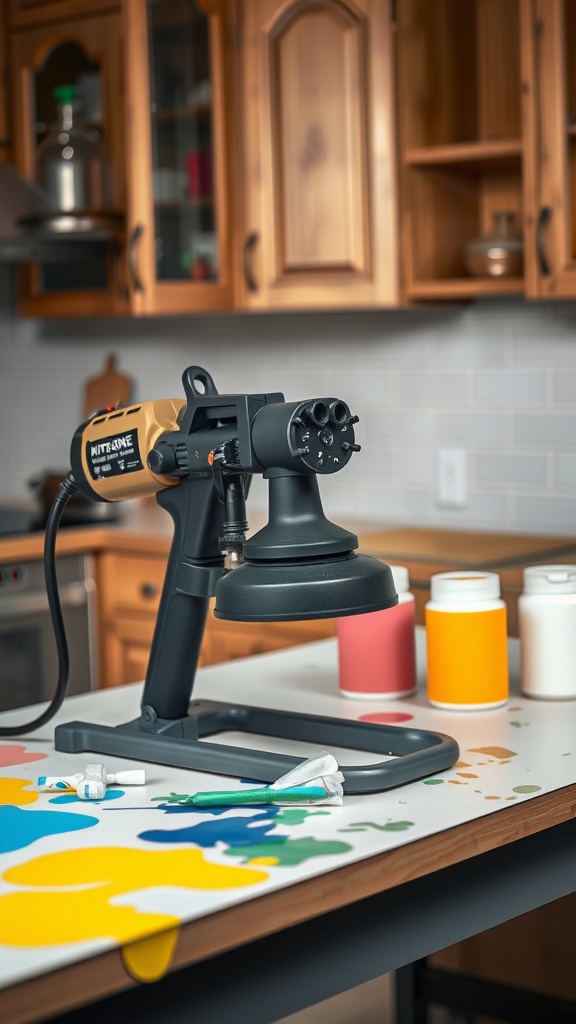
198, 455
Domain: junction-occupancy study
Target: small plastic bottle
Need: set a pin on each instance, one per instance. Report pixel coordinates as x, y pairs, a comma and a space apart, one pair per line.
377, 650
547, 627
466, 642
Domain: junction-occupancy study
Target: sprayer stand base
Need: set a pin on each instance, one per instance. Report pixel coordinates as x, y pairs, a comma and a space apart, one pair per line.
410, 753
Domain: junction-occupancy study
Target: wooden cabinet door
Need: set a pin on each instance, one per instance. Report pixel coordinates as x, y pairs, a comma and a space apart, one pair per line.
553, 158
318, 162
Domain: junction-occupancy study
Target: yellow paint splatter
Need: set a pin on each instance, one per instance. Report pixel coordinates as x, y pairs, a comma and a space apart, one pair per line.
264, 861
492, 798
456, 782
11, 792
462, 764
467, 775
498, 752
73, 898
149, 959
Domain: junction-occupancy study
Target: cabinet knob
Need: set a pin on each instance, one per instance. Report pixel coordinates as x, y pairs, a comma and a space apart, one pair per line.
149, 590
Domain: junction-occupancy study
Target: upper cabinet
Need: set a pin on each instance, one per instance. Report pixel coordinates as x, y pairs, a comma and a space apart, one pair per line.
317, 152
463, 145
151, 87
487, 126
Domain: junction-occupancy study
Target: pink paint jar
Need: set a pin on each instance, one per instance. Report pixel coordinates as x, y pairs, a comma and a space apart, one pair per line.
377, 651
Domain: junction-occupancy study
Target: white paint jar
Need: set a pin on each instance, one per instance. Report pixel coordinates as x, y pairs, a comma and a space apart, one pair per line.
547, 627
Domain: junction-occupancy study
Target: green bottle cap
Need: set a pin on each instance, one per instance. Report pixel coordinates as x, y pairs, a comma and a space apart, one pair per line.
65, 93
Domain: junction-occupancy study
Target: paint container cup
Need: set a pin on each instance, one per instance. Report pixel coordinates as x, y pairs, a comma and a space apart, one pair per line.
377, 650
547, 628
466, 642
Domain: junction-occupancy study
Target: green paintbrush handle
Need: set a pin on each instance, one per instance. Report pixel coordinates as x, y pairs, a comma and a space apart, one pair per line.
263, 795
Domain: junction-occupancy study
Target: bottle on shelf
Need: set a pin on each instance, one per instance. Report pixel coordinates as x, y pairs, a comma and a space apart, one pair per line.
70, 163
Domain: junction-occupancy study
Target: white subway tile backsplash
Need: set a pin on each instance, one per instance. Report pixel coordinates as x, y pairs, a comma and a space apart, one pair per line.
546, 429
432, 386
496, 377
498, 468
565, 471
553, 514
509, 385
471, 425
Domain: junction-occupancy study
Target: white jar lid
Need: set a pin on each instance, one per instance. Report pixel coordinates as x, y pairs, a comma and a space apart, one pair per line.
550, 579
401, 578
464, 586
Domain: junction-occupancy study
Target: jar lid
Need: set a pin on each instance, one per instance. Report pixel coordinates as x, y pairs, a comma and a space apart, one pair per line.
550, 579
401, 578
464, 586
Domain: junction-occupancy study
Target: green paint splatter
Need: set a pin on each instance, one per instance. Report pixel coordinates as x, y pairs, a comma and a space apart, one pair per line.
517, 724
433, 782
296, 815
526, 789
288, 852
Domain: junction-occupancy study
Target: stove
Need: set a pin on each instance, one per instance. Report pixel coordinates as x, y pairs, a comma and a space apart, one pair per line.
19, 520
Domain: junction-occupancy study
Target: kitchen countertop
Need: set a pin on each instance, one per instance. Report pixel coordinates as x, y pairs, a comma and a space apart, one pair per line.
144, 525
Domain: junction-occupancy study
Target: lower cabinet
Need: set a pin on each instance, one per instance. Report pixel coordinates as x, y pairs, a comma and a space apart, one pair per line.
129, 589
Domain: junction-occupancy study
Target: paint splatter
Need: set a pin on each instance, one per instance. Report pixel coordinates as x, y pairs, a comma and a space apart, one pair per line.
289, 852
386, 717
498, 752
526, 789
71, 898
234, 830
467, 775
149, 959
11, 792
21, 828
433, 782
16, 753
390, 826
492, 798
72, 798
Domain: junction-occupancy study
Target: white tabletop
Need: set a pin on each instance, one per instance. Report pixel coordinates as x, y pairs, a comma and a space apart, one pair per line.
78, 878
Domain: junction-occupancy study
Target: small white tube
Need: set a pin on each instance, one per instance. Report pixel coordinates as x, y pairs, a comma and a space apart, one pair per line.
92, 782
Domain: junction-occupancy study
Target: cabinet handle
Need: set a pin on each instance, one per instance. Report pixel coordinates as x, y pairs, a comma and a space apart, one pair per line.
249, 246
132, 264
148, 590
543, 221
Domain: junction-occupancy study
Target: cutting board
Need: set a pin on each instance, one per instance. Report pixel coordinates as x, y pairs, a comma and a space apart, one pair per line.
109, 388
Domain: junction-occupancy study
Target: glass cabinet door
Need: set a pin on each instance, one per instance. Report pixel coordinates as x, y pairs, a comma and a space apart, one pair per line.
182, 142
176, 144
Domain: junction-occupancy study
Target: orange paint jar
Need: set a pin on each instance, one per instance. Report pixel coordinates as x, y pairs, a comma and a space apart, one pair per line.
466, 642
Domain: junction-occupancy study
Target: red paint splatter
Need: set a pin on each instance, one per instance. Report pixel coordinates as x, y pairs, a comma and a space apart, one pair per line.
16, 753
386, 717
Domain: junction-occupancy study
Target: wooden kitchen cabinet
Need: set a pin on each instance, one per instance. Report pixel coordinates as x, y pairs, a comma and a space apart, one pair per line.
129, 588
318, 154
487, 123
463, 140
160, 75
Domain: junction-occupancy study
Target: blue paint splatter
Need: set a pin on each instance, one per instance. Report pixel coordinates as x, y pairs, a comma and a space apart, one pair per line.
234, 831
72, 798
20, 828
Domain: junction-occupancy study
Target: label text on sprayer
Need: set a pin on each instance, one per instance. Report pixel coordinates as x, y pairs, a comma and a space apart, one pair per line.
114, 455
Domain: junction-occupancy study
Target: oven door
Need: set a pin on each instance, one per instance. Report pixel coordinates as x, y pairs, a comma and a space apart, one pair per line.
28, 655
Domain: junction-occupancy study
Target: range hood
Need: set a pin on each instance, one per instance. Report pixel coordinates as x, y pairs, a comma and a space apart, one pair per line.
23, 204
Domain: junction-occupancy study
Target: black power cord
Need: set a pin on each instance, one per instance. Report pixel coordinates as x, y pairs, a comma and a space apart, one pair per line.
65, 491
